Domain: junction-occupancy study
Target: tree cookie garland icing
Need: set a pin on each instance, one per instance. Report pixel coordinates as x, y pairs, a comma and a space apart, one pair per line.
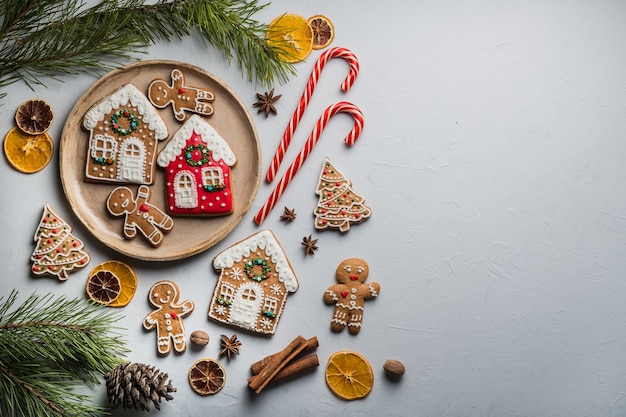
57, 252
254, 283
338, 206
167, 319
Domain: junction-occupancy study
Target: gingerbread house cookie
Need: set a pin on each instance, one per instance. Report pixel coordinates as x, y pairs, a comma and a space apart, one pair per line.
124, 130
198, 162
255, 280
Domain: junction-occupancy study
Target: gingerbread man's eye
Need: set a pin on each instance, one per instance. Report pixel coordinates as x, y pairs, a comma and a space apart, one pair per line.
347, 268
360, 270
169, 292
155, 295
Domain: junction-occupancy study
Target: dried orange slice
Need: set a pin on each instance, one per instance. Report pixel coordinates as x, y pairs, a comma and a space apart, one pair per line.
323, 31
349, 375
34, 116
112, 283
292, 35
28, 153
207, 377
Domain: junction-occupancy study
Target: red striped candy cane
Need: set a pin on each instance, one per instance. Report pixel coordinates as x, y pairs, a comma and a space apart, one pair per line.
340, 107
353, 62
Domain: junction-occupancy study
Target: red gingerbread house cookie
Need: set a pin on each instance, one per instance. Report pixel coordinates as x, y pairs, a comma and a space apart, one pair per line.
198, 162
255, 280
124, 130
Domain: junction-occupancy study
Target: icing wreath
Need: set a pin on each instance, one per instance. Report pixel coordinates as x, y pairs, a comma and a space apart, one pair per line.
266, 271
133, 122
191, 156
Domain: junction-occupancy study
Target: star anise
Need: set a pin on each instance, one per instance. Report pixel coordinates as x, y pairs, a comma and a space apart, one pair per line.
229, 346
310, 245
266, 102
289, 216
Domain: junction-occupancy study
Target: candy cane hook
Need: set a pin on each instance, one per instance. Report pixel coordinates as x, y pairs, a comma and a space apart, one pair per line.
353, 62
350, 139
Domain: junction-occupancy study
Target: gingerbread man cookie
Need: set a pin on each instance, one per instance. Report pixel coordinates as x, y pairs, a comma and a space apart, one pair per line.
180, 96
350, 294
168, 317
139, 214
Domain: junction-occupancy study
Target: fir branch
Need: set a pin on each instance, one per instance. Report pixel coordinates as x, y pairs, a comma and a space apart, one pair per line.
48, 38
50, 346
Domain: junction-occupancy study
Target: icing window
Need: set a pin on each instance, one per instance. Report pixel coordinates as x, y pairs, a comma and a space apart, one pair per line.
226, 292
103, 146
132, 151
248, 294
212, 176
271, 305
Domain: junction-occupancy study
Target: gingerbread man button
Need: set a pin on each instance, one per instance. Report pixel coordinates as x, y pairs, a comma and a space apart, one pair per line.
180, 96
140, 215
349, 294
168, 317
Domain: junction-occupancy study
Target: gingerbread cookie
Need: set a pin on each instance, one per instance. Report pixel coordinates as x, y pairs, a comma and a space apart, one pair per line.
350, 294
255, 280
124, 130
168, 317
180, 96
338, 206
139, 214
57, 252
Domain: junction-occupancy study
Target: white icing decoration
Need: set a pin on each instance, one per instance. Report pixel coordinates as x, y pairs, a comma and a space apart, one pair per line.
214, 142
264, 240
124, 95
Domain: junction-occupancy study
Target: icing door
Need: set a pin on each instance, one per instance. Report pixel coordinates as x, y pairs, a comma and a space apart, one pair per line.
132, 161
185, 193
246, 305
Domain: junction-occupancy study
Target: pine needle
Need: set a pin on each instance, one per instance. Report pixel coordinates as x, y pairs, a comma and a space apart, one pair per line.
52, 38
50, 346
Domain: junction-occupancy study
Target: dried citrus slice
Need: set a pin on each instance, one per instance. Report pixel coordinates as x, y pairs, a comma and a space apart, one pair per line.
28, 153
207, 377
323, 31
292, 35
101, 284
349, 375
34, 116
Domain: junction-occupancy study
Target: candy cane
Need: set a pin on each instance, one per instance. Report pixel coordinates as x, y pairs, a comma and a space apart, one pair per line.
306, 96
350, 139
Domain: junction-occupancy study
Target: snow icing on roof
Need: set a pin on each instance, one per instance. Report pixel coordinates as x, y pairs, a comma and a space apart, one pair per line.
124, 95
264, 240
216, 144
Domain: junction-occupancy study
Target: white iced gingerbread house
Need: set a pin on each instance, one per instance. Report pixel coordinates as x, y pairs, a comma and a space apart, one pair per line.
255, 280
124, 130
198, 162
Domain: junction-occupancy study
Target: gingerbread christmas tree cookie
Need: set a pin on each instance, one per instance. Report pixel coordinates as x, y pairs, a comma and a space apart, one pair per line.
255, 280
339, 206
58, 252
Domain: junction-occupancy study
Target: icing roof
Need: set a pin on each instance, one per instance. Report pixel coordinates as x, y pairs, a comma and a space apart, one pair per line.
264, 240
216, 144
124, 95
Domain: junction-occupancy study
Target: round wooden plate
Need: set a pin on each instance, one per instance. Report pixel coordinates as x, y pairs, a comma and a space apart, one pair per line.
190, 235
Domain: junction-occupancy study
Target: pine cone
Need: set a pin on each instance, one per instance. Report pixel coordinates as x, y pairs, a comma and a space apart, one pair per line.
135, 385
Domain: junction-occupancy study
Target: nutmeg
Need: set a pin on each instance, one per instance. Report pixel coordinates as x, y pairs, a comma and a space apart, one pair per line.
394, 368
200, 338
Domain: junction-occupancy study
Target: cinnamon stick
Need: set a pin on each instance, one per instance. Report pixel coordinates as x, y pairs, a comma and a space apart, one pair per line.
297, 367
278, 362
311, 345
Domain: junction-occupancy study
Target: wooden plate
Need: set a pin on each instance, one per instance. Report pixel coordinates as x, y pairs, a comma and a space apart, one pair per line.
190, 235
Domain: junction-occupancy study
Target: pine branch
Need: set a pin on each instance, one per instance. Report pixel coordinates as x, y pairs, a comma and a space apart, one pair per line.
49, 38
50, 346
